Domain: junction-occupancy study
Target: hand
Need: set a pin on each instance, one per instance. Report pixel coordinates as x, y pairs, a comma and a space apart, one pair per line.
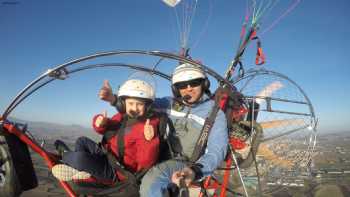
148, 131
101, 120
106, 93
186, 173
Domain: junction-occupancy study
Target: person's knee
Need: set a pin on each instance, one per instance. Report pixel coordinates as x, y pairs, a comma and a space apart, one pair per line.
155, 181
81, 160
80, 143
145, 185
148, 182
81, 139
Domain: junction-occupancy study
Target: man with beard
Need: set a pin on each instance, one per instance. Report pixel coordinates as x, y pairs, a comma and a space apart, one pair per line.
188, 110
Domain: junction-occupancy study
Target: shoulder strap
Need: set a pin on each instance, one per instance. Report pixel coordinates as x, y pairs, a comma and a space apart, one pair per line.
120, 140
115, 163
163, 122
113, 128
166, 149
203, 138
118, 162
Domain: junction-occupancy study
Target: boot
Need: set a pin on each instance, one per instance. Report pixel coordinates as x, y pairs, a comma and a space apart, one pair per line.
66, 173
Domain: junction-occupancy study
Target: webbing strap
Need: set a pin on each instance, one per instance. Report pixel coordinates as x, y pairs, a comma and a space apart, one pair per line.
167, 149
203, 138
120, 140
225, 98
260, 56
163, 121
115, 163
131, 177
118, 166
112, 130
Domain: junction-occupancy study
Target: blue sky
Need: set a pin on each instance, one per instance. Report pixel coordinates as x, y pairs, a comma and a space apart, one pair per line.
310, 46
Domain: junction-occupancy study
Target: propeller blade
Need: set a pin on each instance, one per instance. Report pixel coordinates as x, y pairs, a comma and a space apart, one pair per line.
280, 123
268, 154
268, 90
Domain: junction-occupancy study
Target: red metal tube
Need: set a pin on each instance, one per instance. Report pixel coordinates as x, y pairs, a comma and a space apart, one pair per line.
50, 158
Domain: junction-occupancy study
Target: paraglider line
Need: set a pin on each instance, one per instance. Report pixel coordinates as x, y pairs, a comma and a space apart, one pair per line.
291, 8
205, 28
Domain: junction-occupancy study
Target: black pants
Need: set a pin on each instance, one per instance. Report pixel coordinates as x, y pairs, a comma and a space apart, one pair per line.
88, 156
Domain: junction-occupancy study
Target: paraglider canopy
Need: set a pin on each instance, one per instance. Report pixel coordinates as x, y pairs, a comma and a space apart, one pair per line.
171, 3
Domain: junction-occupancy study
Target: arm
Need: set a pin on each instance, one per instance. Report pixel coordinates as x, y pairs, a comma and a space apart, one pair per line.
214, 154
96, 123
216, 147
106, 94
162, 104
101, 123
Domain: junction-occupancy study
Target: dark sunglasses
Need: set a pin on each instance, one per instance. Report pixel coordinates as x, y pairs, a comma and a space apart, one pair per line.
192, 83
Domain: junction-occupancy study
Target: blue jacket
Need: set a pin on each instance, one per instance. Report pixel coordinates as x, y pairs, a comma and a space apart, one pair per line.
188, 123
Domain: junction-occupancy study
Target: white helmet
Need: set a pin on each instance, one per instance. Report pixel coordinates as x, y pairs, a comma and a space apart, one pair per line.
187, 72
137, 88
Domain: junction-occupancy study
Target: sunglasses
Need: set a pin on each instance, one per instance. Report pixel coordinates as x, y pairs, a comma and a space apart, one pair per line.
192, 83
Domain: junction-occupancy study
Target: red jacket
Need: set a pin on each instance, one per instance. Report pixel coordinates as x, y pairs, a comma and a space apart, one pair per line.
139, 153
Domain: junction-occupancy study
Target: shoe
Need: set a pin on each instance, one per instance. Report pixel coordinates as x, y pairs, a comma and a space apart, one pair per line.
66, 173
61, 147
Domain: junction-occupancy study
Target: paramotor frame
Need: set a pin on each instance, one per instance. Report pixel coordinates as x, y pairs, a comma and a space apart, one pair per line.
63, 70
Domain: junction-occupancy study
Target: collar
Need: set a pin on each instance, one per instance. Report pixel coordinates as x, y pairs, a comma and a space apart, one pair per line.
204, 98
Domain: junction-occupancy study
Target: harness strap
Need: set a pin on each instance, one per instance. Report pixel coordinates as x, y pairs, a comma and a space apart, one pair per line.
110, 133
120, 140
118, 162
226, 99
115, 163
130, 183
166, 148
203, 138
163, 121
130, 177
170, 145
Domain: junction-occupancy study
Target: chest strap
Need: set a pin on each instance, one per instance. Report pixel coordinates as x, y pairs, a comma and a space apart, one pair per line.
120, 140
203, 138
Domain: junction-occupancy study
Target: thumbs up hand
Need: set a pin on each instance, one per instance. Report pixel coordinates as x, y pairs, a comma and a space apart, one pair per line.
106, 93
101, 120
148, 131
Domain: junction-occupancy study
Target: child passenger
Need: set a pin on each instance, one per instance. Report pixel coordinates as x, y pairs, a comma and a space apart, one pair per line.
130, 139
